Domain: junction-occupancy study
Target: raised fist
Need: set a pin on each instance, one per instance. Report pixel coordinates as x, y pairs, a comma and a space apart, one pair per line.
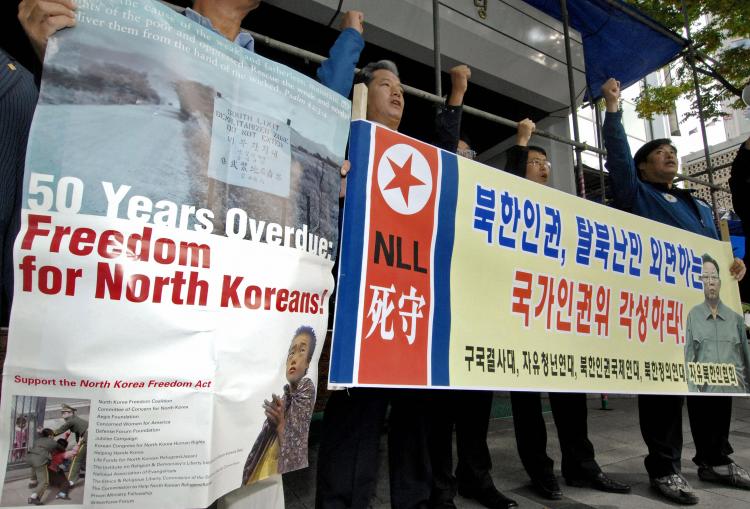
525, 128
611, 93
353, 19
42, 18
460, 76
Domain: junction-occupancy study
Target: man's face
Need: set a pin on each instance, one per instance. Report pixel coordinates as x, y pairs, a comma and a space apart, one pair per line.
385, 99
660, 166
242, 5
66, 414
537, 167
711, 282
297, 359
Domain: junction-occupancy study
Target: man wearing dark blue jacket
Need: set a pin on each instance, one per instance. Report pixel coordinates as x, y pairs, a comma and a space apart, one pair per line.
643, 186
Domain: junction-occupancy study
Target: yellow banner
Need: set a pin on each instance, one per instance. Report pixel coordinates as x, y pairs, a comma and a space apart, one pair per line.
457, 275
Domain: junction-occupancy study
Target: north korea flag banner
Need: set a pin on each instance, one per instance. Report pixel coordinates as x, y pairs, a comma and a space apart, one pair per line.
453, 274
392, 278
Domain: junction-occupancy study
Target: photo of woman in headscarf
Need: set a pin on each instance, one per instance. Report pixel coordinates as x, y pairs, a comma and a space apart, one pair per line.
281, 445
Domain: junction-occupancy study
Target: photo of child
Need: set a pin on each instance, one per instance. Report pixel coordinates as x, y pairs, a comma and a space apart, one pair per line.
20, 438
281, 445
60, 463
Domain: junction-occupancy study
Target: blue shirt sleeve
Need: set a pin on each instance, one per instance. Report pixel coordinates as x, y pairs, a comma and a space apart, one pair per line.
337, 72
620, 163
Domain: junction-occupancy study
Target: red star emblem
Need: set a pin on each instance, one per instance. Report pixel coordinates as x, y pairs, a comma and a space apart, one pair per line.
403, 179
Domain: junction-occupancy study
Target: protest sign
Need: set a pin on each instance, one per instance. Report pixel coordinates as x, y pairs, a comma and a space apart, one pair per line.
457, 275
173, 268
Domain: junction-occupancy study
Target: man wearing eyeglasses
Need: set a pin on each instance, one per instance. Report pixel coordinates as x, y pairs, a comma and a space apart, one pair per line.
715, 334
569, 410
528, 161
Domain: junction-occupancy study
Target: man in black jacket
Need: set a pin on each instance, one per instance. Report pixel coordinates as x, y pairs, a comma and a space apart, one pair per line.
18, 96
579, 466
347, 458
467, 411
739, 184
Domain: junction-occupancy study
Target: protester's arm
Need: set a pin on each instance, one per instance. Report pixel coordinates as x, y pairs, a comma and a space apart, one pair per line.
518, 155
42, 18
525, 129
337, 73
448, 127
739, 183
460, 76
448, 117
620, 163
72, 453
64, 427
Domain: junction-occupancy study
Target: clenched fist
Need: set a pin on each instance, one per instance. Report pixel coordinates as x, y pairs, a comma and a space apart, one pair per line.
42, 18
611, 93
353, 19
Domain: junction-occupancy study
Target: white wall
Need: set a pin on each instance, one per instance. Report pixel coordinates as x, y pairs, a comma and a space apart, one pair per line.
516, 51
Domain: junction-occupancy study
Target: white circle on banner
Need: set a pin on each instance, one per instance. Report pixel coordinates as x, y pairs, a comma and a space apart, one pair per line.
404, 179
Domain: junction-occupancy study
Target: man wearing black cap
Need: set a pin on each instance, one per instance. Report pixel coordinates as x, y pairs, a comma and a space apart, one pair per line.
38, 458
79, 427
643, 185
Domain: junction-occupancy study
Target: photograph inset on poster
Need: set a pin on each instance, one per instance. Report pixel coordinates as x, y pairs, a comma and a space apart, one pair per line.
716, 347
47, 459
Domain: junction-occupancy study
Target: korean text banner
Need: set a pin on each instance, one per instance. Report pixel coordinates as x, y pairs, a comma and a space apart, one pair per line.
173, 268
458, 275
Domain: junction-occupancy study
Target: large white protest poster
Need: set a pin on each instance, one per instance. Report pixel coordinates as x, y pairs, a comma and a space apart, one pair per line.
173, 267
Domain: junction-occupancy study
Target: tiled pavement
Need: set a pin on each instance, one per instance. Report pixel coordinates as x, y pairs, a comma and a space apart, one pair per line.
620, 451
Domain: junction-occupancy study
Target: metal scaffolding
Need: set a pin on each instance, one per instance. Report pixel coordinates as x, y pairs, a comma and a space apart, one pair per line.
581, 183
691, 62
579, 147
415, 92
